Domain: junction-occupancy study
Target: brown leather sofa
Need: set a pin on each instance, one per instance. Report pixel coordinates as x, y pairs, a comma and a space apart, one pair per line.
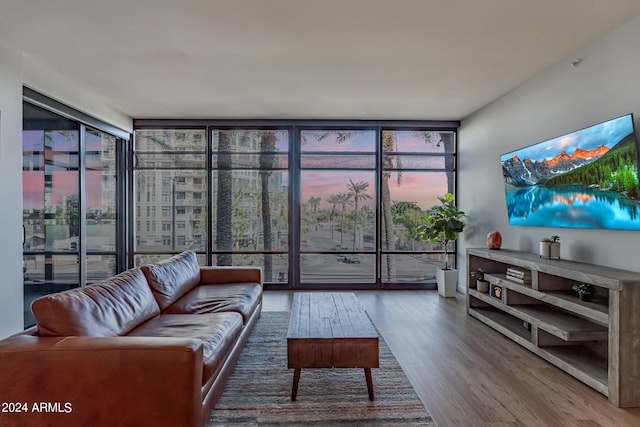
152, 346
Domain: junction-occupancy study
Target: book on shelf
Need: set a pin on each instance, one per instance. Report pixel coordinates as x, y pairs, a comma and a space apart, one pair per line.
518, 273
521, 280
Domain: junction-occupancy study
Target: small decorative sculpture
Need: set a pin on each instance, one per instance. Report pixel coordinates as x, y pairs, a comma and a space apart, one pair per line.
494, 240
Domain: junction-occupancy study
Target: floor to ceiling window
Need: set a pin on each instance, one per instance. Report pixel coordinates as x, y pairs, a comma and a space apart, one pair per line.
170, 193
338, 198
250, 198
70, 203
232, 212
315, 205
417, 167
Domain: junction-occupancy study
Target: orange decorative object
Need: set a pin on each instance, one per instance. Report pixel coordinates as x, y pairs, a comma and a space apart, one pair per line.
494, 240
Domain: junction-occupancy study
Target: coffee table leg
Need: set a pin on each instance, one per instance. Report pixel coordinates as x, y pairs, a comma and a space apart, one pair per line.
296, 380
367, 373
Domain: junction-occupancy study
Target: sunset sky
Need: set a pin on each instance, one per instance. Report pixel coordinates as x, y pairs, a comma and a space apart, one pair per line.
419, 187
65, 183
423, 188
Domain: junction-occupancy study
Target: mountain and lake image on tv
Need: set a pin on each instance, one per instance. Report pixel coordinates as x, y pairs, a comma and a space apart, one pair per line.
584, 179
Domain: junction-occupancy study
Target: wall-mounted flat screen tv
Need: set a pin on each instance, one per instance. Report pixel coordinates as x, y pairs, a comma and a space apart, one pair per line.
585, 179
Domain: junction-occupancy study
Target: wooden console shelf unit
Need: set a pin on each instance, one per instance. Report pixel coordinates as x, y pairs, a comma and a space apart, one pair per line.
597, 342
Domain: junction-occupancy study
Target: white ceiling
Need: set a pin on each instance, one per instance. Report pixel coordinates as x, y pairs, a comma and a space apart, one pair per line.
333, 59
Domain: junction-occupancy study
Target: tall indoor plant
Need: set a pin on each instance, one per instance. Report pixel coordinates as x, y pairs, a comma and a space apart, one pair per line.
442, 224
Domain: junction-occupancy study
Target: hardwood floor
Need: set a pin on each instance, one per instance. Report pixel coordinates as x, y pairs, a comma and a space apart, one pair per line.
470, 375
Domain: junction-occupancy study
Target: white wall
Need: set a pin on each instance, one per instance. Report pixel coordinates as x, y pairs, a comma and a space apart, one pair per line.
562, 99
11, 316
16, 70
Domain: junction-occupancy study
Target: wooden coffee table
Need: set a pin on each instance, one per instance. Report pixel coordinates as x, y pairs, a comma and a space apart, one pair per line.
330, 330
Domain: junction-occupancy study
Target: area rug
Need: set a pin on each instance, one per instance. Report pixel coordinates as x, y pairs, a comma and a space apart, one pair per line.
258, 392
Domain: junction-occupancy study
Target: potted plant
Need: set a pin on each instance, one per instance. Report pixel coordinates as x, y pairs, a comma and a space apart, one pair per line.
584, 290
481, 284
550, 247
442, 224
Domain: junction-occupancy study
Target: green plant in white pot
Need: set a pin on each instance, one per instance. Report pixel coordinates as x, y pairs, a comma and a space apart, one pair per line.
442, 224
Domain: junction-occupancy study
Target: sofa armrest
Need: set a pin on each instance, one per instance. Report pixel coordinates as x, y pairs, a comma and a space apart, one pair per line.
81, 381
232, 274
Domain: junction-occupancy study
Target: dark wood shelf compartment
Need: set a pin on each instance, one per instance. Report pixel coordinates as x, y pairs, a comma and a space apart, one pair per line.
586, 359
513, 324
502, 279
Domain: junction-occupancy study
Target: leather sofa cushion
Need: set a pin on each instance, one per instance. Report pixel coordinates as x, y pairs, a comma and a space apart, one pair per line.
171, 278
241, 298
105, 309
217, 331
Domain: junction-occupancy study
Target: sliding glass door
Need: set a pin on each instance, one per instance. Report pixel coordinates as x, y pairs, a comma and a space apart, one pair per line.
51, 195
70, 204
